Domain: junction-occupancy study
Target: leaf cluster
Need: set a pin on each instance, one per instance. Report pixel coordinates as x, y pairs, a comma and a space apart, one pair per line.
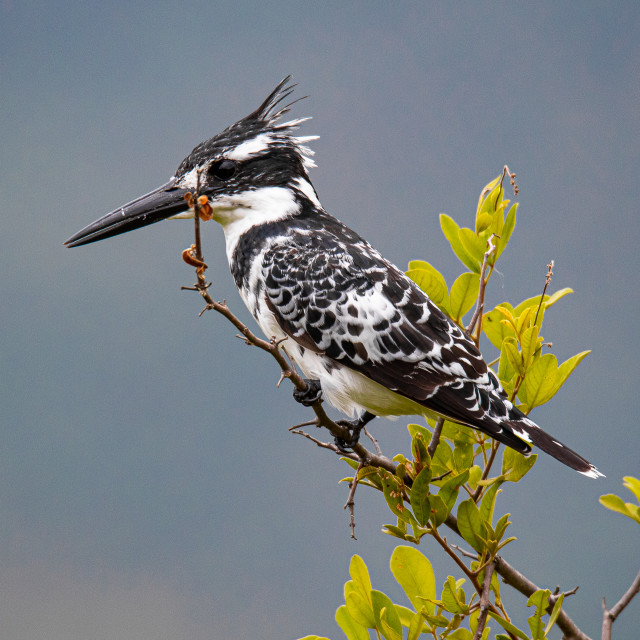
617, 504
447, 477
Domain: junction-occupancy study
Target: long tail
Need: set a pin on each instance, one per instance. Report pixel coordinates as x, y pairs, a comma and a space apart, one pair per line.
529, 431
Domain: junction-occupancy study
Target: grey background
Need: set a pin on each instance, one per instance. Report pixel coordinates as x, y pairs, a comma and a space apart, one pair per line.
149, 486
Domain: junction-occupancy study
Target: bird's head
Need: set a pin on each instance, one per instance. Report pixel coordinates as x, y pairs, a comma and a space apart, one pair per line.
254, 171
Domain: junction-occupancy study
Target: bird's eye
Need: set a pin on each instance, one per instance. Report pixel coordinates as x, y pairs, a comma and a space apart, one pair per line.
223, 169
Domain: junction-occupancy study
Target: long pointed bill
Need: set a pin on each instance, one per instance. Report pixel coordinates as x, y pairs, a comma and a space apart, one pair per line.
160, 204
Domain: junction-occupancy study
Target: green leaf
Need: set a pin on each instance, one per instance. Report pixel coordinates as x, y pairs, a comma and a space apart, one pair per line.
474, 245
451, 233
515, 466
420, 496
386, 617
489, 502
393, 496
449, 490
539, 599
405, 614
539, 386
614, 503
501, 525
315, 638
360, 576
414, 573
360, 610
529, 344
418, 428
439, 510
554, 613
633, 484
507, 230
470, 525
524, 320
552, 299
510, 348
397, 532
495, 329
463, 456
416, 626
419, 450
460, 634
352, 629
617, 504
431, 281
567, 368
451, 597
509, 626
464, 292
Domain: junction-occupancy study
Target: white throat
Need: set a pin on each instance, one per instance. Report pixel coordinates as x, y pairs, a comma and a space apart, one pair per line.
240, 212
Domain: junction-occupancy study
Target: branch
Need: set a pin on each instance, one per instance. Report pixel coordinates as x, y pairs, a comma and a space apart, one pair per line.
477, 314
193, 256
435, 436
485, 603
609, 615
511, 576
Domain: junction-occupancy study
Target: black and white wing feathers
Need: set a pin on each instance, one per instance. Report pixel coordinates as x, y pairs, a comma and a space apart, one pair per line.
337, 296
347, 302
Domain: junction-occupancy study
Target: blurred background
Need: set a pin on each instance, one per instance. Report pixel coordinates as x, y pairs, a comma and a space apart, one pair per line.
150, 488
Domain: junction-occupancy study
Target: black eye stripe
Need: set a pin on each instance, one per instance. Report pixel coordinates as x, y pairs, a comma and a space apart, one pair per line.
223, 169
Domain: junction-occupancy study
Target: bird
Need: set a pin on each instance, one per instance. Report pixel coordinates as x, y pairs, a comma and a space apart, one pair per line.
366, 337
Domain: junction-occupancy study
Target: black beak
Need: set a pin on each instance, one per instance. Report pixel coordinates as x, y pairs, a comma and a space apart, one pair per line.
160, 204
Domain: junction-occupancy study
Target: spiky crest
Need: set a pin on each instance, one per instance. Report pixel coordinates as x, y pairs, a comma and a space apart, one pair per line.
264, 120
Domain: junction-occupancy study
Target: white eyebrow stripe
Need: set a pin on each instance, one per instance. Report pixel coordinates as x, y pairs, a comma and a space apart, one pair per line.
250, 148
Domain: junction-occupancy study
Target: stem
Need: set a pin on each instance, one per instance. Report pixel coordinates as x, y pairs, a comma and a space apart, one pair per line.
435, 436
477, 314
544, 289
609, 615
484, 601
510, 575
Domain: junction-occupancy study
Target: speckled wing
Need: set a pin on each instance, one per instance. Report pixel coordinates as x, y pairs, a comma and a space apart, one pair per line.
350, 304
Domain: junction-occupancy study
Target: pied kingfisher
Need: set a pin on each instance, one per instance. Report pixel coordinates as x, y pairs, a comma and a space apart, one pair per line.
368, 338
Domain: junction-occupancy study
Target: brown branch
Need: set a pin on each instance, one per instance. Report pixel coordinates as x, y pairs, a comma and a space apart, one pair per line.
477, 314
510, 575
544, 289
495, 445
609, 615
435, 436
512, 179
485, 603
350, 504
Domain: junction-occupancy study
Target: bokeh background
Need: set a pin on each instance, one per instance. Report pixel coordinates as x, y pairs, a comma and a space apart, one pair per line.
149, 486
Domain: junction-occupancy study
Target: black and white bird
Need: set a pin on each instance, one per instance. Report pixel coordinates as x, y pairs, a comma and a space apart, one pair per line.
367, 337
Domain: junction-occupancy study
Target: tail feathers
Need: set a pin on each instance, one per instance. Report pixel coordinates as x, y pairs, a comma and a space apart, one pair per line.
533, 434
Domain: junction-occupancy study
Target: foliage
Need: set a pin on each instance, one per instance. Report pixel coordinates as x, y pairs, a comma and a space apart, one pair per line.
455, 484
615, 503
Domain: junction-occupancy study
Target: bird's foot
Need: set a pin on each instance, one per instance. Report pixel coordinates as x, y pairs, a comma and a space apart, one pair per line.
310, 395
354, 427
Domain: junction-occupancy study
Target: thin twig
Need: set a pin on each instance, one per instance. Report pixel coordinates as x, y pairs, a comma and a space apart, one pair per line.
464, 552
373, 440
477, 314
544, 289
350, 504
495, 445
323, 445
609, 615
435, 436
512, 179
